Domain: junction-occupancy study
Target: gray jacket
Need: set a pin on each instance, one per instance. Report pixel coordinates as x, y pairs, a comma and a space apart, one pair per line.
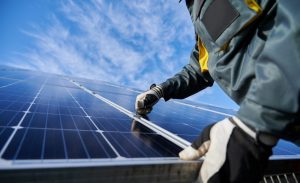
254, 55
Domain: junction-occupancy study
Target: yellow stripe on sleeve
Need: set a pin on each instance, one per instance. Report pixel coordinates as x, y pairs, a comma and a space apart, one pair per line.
203, 56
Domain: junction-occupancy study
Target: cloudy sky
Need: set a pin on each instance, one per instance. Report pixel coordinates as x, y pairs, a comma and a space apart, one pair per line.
133, 43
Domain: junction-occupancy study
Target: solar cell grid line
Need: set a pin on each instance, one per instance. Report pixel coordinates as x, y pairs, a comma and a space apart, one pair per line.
65, 133
4, 82
16, 128
9, 118
11, 84
80, 137
23, 90
16, 82
13, 106
23, 74
114, 89
59, 81
98, 130
6, 104
7, 78
63, 136
44, 137
7, 74
131, 144
28, 134
204, 109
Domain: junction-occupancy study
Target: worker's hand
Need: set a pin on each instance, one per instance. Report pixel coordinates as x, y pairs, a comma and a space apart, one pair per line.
232, 152
145, 101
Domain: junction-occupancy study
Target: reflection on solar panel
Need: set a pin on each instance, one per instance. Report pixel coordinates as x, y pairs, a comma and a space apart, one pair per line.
51, 121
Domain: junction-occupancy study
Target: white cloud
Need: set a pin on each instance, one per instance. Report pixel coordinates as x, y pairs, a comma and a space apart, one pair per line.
130, 42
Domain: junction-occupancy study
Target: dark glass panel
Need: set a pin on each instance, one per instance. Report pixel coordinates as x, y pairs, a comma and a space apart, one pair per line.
74, 146
67, 122
10, 118
54, 145
54, 121
14, 145
96, 145
32, 144
4, 135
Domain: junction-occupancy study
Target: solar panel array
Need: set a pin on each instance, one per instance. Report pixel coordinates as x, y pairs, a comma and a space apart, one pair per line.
46, 117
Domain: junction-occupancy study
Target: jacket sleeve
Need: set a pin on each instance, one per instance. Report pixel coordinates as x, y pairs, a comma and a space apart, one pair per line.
272, 103
188, 81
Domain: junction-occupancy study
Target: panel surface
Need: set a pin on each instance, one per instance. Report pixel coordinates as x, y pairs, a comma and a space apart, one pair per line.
48, 117
183, 118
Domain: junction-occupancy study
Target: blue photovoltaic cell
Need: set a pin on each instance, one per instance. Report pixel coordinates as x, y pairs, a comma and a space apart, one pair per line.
10, 97
18, 74
22, 90
106, 88
4, 135
14, 145
129, 145
60, 81
54, 138
206, 106
10, 118
286, 148
5, 82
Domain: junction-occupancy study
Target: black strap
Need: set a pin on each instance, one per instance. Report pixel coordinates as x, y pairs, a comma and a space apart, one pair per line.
197, 8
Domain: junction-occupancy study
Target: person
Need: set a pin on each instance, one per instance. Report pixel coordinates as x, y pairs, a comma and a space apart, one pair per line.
251, 48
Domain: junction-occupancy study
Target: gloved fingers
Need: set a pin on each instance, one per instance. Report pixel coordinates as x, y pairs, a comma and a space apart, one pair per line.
144, 111
190, 153
144, 102
215, 154
199, 146
233, 156
139, 102
204, 148
150, 100
244, 159
203, 137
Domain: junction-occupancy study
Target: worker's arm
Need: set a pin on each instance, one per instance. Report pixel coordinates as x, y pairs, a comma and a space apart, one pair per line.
188, 81
272, 103
237, 149
185, 83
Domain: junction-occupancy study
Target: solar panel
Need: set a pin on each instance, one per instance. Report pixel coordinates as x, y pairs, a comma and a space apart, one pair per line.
62, 122
183, 118
50, 120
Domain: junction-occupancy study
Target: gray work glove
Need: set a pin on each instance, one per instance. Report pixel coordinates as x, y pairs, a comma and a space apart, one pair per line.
145, 101
232, 151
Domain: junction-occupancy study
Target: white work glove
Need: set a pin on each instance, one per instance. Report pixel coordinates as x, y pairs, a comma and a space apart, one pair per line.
232, 152
145, 101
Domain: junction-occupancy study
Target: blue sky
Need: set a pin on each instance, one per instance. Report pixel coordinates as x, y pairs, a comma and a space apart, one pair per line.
133, 43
